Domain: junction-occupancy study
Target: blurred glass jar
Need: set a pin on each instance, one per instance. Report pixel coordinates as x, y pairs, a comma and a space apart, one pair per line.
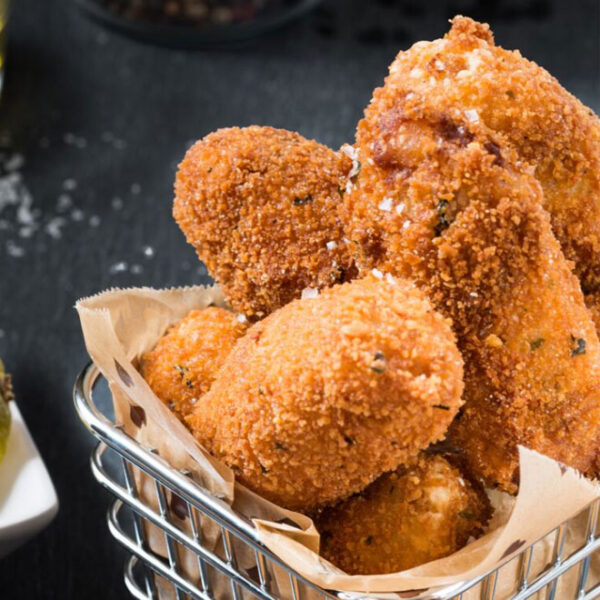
4, 12
195, 22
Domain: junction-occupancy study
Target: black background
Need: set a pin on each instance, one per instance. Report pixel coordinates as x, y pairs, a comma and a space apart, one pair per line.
69, 79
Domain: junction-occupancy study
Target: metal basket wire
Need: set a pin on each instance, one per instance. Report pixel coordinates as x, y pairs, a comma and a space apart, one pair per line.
148, 576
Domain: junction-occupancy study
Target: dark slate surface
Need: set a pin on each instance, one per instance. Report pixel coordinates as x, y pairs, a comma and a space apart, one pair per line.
114, 115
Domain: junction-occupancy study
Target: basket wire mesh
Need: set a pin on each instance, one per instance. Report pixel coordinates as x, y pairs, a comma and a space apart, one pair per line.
118, 458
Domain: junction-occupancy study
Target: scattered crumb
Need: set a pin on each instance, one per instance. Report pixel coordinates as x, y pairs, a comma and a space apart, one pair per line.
493, 341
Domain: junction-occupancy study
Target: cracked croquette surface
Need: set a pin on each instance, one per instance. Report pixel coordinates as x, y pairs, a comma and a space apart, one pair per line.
467, 77
411, 516
327, 393
260, 206
467, 223
184, 362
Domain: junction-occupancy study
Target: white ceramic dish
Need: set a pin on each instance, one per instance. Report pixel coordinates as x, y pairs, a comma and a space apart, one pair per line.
28, 501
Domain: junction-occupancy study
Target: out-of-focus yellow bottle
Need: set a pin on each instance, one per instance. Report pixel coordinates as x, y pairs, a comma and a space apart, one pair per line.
4, 12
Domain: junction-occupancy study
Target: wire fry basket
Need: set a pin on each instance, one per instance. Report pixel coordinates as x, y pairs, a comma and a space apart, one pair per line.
118, 460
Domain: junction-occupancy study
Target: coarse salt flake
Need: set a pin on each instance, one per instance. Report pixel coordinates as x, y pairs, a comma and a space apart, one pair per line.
331, 245
472, 115
309, 293
14, 250
69, 184
377, 273
15, 162
118, 268
63, 203
77, 215
350, 151
385, 204
53, 227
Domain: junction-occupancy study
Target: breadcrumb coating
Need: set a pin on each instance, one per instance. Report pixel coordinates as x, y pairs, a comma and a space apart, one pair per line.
468, 78
466, 222
592, 301
260, 206
328, 393
184, 362
406, 518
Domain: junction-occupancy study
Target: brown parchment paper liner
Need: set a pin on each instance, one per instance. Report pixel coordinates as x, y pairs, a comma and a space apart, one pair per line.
119, 325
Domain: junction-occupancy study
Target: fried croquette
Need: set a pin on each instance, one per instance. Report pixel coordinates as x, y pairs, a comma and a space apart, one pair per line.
466, 77
260, 206
442, 202
184, 362
592, 301
327, 393
406, 518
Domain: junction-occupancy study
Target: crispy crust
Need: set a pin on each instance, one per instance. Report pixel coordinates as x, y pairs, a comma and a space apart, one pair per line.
466, 222
467, 77
325, 394
592, 301
260, 206
184, 362
406, 518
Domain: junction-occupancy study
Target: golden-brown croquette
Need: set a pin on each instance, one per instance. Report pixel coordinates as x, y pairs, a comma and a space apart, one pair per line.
592, 301
325, 394
440, 200
466, 76
408, 517
260, 206
184, 362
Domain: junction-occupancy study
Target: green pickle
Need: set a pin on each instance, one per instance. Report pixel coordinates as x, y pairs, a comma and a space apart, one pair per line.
5, 396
